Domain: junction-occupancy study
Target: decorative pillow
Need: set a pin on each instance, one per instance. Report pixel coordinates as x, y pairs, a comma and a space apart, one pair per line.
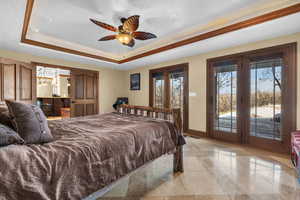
30, 122
9, 136
6, 119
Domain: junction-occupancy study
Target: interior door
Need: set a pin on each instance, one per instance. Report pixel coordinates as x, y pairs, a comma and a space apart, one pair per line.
84, 93
225, 107
169, 89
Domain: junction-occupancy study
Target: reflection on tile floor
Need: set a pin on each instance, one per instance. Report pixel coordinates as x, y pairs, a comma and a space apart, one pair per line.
213, 171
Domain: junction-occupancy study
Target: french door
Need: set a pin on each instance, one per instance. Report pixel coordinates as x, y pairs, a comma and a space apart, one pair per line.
252, 97
225, 108
169, 89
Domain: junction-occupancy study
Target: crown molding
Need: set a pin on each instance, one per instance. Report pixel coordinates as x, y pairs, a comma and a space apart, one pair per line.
227, 29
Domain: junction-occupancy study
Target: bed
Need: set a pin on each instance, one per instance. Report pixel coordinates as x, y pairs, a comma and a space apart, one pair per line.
90, 153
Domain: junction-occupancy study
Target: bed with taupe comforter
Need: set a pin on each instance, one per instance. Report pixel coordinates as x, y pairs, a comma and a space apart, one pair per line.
88, 154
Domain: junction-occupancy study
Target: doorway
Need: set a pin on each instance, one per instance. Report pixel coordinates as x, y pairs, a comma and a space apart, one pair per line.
53, 91
168, 88
66, 92
252, 97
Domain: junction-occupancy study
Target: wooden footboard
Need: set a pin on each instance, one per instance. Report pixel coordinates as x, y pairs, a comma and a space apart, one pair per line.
172, 115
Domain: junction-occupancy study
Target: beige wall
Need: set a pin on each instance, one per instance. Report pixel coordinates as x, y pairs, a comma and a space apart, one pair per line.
197, 79
111, 81
115, 83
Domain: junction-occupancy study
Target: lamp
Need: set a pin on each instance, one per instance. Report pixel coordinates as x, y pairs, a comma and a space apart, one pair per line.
124, 38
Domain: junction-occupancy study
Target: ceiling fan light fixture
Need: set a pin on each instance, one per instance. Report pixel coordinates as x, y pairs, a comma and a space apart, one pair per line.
125, 33
124, 38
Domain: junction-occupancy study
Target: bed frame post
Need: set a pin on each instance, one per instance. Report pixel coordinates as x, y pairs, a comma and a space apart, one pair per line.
178, 160
178, 155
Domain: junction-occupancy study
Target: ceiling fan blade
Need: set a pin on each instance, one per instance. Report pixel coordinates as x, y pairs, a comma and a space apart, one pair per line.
139, 35
104, 25
123, 19
131, 24
109, 37
131, 43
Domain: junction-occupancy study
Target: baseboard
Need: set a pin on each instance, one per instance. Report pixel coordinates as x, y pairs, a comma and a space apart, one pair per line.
195, 133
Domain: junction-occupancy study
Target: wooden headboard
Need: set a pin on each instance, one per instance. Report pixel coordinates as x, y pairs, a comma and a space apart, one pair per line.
173, 115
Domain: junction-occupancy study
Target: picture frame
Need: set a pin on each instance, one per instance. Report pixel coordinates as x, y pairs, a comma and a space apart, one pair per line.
135, 81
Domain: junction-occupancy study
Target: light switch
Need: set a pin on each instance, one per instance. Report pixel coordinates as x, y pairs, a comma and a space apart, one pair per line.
193, 94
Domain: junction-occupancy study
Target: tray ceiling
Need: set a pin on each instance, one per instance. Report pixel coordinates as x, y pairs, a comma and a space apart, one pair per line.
65, 23
68, 20
184, 28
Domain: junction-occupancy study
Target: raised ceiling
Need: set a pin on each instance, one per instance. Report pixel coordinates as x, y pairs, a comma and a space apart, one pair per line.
65, 24
68, 20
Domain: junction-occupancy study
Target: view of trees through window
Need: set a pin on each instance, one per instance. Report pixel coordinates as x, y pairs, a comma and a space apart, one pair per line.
168, 89
265, 108
265, 98
158, 88
225, 98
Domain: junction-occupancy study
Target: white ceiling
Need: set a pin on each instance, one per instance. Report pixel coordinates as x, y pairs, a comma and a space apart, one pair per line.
69, 19
67, 22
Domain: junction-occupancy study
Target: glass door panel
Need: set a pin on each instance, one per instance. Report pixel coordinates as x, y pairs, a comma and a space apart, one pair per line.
158, 90
225, 98
251, 97
169, 89
266, 98
177, 90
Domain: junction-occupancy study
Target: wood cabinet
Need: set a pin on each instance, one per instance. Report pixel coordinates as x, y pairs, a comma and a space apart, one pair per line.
52, 106
17, 81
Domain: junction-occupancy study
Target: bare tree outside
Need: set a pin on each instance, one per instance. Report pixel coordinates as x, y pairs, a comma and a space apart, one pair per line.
265, 94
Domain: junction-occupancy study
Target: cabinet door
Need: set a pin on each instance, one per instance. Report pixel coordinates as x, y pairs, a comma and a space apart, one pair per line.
18, 81
9, 81
84, 93
27, 83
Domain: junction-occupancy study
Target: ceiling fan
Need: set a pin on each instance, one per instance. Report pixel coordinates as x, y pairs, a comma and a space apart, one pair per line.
126, 33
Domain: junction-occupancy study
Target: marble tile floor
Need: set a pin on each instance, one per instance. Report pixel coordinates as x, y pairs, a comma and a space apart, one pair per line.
213, 171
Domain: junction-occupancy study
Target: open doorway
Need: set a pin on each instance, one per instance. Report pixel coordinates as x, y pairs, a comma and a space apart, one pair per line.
54, 91
64, 92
